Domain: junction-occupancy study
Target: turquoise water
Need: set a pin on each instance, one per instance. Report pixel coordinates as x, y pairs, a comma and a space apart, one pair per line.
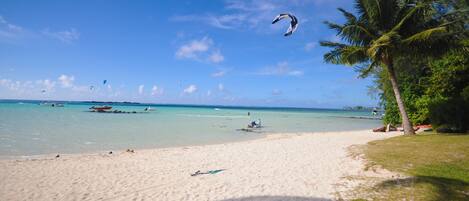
33, 129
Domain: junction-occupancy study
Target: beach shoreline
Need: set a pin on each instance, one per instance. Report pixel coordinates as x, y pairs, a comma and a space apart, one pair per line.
288, 165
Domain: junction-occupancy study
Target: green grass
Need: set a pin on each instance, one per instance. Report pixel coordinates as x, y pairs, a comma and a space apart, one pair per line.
438, 166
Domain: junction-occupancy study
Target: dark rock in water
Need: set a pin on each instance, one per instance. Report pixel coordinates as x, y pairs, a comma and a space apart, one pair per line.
134, 112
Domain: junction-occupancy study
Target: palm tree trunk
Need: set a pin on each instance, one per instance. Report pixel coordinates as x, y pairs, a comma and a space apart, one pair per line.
406, 124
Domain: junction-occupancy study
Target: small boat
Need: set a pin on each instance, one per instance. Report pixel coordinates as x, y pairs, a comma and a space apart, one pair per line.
103, 108
148, 109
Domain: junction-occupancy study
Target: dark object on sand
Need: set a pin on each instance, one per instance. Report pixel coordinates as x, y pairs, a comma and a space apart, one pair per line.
130, 151
245, 129
380, 129
386, 128
57, 156
198, 172
110, 152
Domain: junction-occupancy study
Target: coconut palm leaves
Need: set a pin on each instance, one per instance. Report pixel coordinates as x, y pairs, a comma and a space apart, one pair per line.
385, 29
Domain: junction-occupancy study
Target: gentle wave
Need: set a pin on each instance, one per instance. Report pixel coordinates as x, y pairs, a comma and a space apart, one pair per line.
213, 116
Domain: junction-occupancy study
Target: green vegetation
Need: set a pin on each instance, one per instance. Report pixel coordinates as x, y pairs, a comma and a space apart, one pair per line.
417, 50
435, 93
438, 166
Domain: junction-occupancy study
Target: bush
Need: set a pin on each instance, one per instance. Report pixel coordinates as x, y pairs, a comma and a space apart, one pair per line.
449, 115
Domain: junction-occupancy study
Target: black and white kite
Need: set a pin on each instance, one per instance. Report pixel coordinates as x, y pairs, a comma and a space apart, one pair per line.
293, 22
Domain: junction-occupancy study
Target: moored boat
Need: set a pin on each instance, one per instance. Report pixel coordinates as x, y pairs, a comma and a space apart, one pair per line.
103, 108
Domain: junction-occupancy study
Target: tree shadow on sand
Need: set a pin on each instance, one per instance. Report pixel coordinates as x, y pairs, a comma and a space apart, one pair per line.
445, 188
277, 198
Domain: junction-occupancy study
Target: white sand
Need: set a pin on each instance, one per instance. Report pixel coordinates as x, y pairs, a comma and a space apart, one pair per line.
302, 167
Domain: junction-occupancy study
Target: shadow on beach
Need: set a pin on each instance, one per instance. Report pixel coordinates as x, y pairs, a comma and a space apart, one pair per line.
447, 189
277, 198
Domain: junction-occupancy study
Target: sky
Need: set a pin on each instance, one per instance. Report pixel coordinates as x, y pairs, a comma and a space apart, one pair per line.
181, 52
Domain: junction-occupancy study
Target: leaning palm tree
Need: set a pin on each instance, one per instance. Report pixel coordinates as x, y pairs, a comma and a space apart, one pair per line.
383, 30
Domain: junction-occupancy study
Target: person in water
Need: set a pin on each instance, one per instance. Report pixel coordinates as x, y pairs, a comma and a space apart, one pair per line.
375, 112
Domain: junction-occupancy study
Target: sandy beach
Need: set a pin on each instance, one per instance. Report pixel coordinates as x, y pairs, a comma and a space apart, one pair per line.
301, 166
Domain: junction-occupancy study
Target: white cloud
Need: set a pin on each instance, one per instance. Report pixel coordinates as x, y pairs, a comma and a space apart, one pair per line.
140, 89
8, 30
193, 48
221, 87
309, 46
249, 15
241, 14
66, 36
276, 92
199, 50
281, 69
81, 89
66, 81
219, 74
8, 84
155, 90
190, 89
216, 57
46, 84
228, 21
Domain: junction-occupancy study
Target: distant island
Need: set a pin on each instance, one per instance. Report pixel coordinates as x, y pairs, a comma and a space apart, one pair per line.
360, 108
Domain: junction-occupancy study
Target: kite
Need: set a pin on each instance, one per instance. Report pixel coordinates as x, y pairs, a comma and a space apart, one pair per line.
293, 22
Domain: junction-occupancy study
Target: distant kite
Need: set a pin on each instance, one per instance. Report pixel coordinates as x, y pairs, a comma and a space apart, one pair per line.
43, 91
293, 22
104, 82
91, 88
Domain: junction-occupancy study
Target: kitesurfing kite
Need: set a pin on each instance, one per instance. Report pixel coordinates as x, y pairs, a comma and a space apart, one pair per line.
104, 82
91, 88
43, 91
293, 22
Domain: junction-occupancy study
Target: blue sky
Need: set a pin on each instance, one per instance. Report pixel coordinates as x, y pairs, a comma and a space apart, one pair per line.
196, 52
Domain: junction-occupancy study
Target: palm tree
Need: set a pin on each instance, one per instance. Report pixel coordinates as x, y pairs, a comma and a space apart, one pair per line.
383, 30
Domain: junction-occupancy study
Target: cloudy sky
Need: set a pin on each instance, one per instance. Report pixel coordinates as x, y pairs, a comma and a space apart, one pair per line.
190, 52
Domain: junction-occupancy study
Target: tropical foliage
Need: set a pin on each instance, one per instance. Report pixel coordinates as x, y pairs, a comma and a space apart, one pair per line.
391, 38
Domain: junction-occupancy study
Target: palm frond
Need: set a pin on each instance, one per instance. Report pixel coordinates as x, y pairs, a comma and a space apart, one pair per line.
334, 26
365, 70
369, 10
407, 16
386, 42
425, 35
332, 44
349, 16
344, 54
356, 30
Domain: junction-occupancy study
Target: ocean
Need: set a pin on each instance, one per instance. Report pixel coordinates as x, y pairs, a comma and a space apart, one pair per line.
28, 128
